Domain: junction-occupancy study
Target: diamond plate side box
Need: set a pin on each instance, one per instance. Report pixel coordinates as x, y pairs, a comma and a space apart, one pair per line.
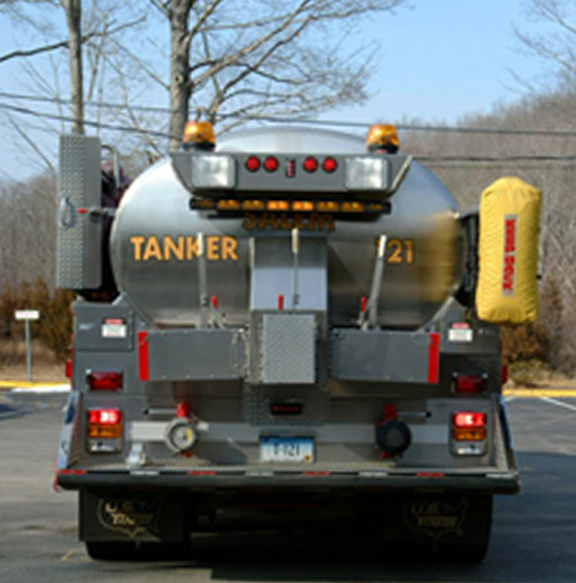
79, 236
288, 349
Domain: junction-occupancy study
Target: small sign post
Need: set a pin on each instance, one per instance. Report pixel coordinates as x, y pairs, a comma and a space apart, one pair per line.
26, 316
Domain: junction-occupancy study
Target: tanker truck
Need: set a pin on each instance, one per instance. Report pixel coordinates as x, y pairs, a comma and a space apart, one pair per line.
296, 316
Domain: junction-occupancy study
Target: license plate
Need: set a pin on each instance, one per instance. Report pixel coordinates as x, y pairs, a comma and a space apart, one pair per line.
287, 449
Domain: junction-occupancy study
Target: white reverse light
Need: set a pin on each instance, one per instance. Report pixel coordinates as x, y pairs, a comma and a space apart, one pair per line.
213, 171
367, 173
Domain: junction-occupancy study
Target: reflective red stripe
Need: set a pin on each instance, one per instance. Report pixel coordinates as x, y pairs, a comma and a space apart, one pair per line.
434, 358
143, 356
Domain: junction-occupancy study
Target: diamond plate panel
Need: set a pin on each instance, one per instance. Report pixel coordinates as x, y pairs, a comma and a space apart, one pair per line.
79, 237
288, 349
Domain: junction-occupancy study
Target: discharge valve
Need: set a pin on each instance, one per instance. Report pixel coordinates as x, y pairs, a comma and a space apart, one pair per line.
392, 435
181, 433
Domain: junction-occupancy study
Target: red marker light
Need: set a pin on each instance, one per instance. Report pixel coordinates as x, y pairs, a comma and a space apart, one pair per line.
470, 384
252, 164
310, 164
329, 165
104, 380
271, 164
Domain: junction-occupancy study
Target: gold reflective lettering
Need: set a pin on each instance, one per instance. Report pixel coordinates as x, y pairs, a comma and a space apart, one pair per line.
229, 246
173, 248
137, 241
268, 219
285, 222
317, 221
250, 221
213, 248
152, 249
299, 222
191, 247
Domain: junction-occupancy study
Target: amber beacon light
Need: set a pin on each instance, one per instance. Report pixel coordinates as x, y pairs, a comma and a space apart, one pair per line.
199, 134
382, 137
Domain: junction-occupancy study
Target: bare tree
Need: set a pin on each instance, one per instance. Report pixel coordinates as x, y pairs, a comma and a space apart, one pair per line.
557, 44
73, 10
235, 59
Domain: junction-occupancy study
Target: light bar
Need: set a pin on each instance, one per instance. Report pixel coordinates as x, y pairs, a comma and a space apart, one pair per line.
367, 173
213, 171
299, 206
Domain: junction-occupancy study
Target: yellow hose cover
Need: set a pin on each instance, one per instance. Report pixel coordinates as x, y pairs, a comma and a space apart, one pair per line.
507, 291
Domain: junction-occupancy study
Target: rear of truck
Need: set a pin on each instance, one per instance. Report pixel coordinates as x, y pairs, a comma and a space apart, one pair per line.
272, 368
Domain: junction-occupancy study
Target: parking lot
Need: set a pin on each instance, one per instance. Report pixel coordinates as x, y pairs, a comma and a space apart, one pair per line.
533, 533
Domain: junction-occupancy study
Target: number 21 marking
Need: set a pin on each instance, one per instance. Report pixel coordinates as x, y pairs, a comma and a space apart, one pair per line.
400, 251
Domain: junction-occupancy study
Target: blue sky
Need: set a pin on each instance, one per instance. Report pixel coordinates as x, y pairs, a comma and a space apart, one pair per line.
447, 58
439, 61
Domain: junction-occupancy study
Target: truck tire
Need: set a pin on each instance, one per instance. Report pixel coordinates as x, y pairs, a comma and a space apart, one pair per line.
473, 544
111, 551
460, 553
132, 551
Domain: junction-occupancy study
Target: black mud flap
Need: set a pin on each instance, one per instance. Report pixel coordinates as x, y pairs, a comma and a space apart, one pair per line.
455, 525
133, 516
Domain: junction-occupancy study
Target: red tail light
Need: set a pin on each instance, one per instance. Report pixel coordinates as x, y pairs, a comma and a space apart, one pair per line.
271, 164
469, 419
468, 426
329, 165
252, 164
104, 416
104, 424
100, 380
310, 164
470, 384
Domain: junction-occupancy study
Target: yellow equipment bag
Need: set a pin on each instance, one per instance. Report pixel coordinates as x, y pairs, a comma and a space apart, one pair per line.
507, 291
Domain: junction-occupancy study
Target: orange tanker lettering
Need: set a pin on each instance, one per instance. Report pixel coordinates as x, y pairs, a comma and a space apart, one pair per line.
229, 246
192, 249
213, 248
183, 248
137, 242
152, 249
175, 249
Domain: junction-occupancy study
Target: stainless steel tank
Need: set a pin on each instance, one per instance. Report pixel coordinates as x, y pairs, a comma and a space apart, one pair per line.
155, 236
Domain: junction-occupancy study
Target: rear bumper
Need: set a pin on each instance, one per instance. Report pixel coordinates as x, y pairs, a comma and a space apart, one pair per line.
206, 479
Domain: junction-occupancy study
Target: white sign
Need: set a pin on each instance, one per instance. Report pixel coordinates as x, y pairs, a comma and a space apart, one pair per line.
27, 315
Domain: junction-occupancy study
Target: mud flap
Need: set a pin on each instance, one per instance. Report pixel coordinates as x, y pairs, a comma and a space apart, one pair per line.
132, 517
443, 520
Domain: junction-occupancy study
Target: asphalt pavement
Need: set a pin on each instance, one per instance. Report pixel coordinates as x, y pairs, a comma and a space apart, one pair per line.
533, 533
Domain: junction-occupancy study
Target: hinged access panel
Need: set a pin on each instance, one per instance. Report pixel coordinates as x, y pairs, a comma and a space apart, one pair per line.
79, 234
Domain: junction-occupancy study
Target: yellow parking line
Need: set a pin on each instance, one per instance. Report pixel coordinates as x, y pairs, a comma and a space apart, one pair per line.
27, 385
67, 556
537, 393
